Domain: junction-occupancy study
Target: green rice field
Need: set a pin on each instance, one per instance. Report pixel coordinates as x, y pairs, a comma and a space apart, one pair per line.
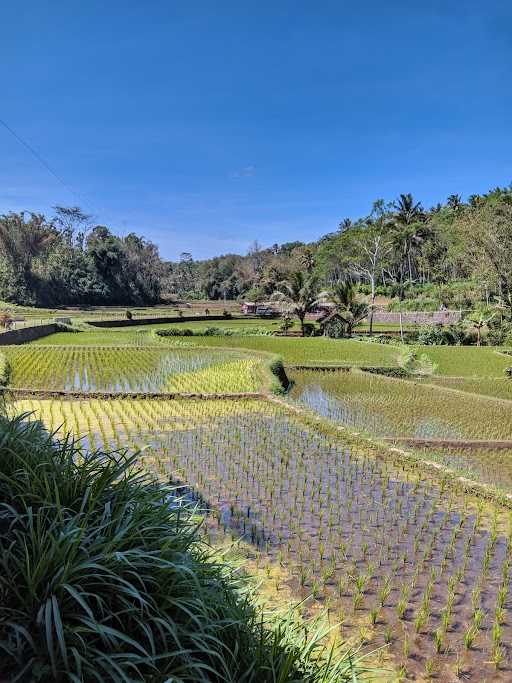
390, 407
400, 557
141, 369
400, 562
495, 387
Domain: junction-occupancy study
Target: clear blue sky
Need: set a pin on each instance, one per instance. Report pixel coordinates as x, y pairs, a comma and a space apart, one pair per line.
206, 125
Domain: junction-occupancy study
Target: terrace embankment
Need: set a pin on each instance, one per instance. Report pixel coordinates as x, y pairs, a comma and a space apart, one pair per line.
28, 334
469, 444
135, 322
20, 392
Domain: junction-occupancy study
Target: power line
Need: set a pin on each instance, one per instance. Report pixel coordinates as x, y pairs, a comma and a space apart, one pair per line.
39, 158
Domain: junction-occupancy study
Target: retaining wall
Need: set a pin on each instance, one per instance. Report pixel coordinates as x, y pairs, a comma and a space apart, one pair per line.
417, 317
160, 321
27, 334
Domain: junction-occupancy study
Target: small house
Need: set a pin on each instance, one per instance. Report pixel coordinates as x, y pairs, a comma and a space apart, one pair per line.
332, 325
249, 308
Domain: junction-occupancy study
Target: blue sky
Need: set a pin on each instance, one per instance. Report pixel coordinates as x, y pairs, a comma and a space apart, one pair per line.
207, 125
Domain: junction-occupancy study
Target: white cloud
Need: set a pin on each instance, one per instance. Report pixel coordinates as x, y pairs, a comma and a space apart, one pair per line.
245, 172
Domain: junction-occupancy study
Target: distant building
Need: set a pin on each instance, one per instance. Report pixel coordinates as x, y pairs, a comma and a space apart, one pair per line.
249, 308
265, 310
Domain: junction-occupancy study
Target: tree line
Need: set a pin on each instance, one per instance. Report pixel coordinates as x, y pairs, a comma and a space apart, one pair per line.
455, 254
64, 260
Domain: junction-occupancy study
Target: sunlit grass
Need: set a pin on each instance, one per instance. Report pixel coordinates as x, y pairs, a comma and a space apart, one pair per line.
123, 369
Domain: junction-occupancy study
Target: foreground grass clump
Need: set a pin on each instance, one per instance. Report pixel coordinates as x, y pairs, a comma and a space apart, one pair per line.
103, 578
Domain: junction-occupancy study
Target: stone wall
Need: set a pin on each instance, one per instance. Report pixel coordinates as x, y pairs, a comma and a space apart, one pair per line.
417, 317
27, 334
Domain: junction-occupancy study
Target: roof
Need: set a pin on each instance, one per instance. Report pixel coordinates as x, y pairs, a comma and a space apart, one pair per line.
330, 316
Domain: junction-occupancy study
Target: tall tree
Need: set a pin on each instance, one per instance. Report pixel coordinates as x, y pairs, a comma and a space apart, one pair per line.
23, 238
373, 247
300, 293
486, 232
351, 309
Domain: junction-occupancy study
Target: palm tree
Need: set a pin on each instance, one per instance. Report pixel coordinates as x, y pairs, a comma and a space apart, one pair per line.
308, 260
478, 320
22, 240
347, 304
407, 210
300, 292
408, 235
454, 201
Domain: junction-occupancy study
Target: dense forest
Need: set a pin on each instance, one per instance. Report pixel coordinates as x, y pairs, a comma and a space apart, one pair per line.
64, 260
454, 254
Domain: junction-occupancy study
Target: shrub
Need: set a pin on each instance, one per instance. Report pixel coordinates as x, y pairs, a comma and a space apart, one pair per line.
499, 332
379, 338
5, 370
400, 373
103, 578
175, 332
437, 335
278, 370
335, 329
309, 330
214, 331
421, 303
226, 314
286, 323
5, 320
415, 363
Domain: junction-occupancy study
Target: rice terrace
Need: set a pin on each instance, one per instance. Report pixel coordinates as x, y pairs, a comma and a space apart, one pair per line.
256, 342
407, 550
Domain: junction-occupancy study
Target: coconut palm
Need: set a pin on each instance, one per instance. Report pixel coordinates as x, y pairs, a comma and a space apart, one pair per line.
478, 320
407, 210
347, 304
454, 201
299, 292
308, 260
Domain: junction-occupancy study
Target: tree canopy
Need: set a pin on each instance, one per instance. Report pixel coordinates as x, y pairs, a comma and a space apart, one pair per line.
463, 249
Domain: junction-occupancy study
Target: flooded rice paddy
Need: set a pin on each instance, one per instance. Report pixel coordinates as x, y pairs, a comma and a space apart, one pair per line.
397, 560
124, 369
389, 407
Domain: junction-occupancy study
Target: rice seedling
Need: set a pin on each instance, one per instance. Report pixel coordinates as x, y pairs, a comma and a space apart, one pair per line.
390, 407
344, 525
122, 369
104, 577
409, 564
